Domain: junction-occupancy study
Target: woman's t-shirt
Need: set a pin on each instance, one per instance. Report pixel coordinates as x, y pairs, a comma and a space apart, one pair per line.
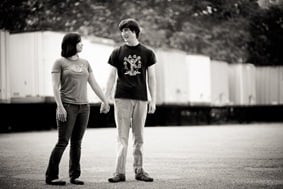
132, 63
74, 78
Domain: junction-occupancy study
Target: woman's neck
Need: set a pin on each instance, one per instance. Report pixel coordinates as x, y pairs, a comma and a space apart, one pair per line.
74, 57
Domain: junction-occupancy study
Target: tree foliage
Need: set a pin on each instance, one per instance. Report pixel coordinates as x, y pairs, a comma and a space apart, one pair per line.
218, 28
266, 40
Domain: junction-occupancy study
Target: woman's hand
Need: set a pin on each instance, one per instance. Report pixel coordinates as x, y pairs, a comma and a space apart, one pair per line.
61, 114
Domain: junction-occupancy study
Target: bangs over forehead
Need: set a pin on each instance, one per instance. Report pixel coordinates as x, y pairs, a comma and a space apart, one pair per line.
69, 43
130, 23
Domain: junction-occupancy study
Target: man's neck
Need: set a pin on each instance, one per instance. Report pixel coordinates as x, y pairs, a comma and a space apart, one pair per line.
133, 43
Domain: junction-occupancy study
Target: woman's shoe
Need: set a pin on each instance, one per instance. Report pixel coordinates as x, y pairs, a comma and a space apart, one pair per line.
76, 181
55, 182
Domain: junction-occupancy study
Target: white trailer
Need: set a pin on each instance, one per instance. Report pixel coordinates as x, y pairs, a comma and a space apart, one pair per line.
182, 79
269, 85
242, 84
219, 83
172, 80
32, 55
199, 79
4, 66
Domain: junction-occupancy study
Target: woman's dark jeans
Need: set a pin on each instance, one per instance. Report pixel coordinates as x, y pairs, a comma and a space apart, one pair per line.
73, 128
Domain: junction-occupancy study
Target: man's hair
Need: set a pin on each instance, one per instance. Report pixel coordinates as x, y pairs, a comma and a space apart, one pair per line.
130, 23
69, 44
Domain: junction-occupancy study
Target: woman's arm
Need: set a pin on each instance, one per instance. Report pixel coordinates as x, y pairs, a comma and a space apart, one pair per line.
96, 88
61, 113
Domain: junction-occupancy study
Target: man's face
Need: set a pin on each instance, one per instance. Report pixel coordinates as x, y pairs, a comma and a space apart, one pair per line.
128, 35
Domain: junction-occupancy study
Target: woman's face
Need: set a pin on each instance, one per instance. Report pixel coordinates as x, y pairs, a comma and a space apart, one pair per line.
79, 46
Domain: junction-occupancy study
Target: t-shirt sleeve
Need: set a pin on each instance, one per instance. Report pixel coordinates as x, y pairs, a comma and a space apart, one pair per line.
113, 58
89, 69
57, 67
152, 58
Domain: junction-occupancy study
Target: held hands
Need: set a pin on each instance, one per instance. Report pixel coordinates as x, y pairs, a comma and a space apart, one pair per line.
104, 108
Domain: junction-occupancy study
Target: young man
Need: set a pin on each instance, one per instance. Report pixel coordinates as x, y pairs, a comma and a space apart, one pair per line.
131, 64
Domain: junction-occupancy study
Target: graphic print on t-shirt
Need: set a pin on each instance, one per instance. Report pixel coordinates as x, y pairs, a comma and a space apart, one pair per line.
132, 65
78, 67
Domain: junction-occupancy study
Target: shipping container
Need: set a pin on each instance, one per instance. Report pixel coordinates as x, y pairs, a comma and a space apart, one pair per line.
4, 73
219, 83
242, 84
191, 89
280, 69
33, 54
48, 52
97, 52
198, 75
182, 79
269, 85
172, 80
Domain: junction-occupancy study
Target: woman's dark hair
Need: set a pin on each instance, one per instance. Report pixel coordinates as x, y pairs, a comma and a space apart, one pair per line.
130, 23
69, 44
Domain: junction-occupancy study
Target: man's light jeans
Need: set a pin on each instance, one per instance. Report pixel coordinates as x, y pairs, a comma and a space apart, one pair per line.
129, 113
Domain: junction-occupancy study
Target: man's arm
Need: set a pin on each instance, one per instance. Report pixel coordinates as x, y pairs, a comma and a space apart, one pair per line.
152, 88
110, 82
96, 88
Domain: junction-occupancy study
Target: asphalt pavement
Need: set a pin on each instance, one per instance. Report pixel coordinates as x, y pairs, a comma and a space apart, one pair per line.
178, 157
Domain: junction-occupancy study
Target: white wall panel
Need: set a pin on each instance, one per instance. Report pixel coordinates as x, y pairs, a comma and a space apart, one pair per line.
4, 73
97, 52
33, 54
219, 83
280, 70
249, 84
172, 80
22, 58
199, 77
27, 58
242, 84
49, 51
269, 84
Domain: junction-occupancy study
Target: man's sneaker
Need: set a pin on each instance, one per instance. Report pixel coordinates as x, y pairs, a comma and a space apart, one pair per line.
142, 175
117, 178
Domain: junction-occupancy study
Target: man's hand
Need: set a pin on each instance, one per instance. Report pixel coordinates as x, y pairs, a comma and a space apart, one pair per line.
151, 107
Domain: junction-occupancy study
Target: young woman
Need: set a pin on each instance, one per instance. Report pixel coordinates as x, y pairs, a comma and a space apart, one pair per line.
70, 75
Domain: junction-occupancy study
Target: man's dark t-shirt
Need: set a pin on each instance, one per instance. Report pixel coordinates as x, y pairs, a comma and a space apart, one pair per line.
131, 63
